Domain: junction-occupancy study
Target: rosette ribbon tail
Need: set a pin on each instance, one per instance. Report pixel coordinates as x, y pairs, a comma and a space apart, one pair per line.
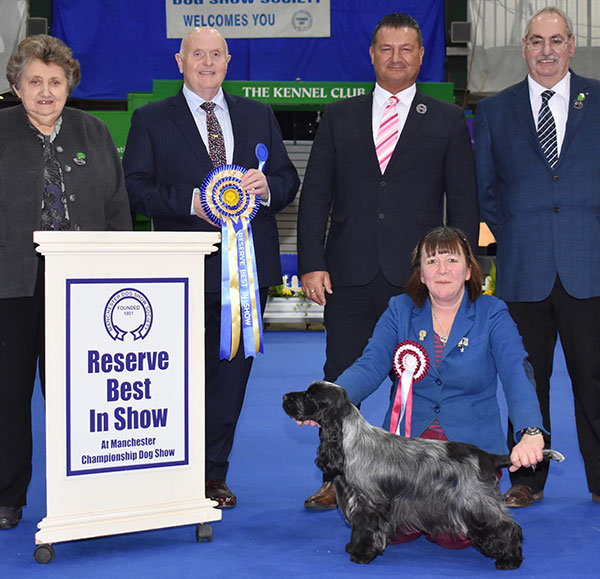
411, 364
251, 321
230, 295
403, 404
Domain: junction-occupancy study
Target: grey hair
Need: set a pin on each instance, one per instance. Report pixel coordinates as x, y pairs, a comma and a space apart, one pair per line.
551, 10
49, 50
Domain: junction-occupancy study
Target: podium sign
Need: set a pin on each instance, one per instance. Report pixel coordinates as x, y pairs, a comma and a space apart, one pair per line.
127, 374
124, 382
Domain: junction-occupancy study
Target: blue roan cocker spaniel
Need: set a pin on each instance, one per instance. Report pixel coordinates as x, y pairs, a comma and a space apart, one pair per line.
386, 484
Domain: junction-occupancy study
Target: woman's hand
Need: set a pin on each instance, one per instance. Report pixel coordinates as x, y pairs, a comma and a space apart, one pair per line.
527, 452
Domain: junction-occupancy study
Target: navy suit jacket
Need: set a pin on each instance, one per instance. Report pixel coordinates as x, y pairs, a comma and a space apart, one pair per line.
377, 220
461, 393
546, 221
165, 159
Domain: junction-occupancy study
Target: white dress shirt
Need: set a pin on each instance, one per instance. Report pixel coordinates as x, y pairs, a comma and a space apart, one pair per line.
559, 104
380, 101
221, 111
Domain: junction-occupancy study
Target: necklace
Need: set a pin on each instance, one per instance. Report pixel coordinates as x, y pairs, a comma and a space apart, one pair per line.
444, 335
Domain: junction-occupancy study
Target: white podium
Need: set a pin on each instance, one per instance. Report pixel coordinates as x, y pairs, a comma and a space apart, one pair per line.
124, 384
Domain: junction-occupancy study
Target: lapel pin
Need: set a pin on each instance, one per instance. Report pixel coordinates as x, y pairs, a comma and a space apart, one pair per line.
578, 102
422, 334
79, 159
421, 108
464, 342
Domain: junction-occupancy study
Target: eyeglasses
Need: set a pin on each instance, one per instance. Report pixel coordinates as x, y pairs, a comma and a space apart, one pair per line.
556, 42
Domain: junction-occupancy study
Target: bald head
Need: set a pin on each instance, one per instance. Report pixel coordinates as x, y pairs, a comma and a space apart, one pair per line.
202, 59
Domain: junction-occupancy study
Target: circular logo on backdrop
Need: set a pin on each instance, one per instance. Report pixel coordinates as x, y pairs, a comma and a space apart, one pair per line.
302, 21
128, 311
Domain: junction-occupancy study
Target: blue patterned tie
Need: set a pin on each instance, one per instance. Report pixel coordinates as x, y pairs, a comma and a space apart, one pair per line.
546, 130
216, 144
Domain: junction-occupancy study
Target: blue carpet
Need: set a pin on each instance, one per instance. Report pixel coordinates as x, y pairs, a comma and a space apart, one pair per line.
269, 534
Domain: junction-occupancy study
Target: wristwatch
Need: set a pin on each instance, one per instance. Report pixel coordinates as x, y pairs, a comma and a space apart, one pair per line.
531, 430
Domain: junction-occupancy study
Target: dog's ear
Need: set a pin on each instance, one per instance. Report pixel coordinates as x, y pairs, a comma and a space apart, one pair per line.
333, 405
330, 455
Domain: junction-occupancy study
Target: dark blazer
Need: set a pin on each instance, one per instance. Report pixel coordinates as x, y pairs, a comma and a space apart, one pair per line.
95, 191
377, 220
165, 159
546, 221
461, 393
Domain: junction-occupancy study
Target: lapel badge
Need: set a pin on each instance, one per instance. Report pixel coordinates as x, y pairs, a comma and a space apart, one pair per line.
421, 108
578, 102
79, 159
422, 334
464, 342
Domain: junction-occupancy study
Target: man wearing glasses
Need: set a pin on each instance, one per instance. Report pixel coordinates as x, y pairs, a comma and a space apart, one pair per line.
537, 150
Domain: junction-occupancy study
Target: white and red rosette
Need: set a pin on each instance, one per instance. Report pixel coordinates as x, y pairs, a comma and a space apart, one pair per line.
411, 364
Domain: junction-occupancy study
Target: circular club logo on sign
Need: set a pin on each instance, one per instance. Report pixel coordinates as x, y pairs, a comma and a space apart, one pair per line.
302, 21
128, 311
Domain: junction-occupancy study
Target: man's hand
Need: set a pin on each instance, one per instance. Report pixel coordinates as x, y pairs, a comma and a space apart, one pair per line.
255, 183
199, 211
315, 284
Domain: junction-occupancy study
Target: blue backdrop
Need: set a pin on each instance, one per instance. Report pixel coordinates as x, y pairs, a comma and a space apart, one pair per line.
122, 45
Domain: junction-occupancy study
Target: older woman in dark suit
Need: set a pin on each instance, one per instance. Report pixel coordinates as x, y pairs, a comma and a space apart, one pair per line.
59, 170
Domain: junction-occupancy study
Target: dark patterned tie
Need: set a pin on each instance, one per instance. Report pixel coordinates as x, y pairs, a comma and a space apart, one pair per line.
546, 129
216, 144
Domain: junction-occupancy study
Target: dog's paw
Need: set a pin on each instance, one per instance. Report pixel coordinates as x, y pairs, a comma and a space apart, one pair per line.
361, 554
508, 563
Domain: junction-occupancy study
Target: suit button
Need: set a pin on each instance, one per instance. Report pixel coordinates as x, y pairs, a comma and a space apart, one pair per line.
67, 168
59, 149
556, 210
436, 409
554, 177
381, 215
72, 198
77, 227
382, 183
438, 382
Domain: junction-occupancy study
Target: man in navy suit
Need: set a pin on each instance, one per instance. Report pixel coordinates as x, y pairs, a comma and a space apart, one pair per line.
166, 160
379, 212
541, 198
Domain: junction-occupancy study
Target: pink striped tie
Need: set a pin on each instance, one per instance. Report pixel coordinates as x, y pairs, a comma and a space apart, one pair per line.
387, 135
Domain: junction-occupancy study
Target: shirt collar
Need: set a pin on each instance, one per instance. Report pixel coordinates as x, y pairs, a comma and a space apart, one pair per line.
406, 96
194, 101
562, 88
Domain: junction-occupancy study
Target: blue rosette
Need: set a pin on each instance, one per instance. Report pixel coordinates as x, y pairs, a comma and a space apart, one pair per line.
229, 206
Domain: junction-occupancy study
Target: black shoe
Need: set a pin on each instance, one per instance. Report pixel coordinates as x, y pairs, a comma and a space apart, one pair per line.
10, 517
217, 490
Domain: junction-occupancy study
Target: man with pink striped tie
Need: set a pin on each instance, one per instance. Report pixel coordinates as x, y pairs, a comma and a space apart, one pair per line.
385, 168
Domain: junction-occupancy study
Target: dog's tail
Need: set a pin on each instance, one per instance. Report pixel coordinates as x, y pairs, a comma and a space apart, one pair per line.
503, 460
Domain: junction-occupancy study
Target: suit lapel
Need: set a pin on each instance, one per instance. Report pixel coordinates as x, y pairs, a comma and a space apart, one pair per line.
520, 105
185, 123
579, 85
239, 127
422, 326
463, 322
364, 121
412, 124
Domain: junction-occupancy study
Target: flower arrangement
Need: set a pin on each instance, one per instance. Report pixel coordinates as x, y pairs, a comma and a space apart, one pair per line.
282, 291
489, 285
285, 290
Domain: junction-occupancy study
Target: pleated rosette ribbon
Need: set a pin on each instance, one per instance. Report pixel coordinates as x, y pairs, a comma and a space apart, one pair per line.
411, 364
227, 204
